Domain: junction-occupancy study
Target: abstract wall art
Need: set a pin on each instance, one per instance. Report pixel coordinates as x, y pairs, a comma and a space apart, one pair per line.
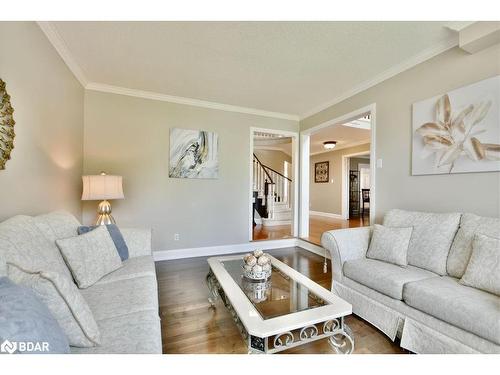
193, 154
458, 132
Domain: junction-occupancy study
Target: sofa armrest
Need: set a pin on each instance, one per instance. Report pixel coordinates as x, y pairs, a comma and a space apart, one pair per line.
138, 241
345, 244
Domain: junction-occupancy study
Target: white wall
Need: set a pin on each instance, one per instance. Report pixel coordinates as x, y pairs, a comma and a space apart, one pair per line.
130, 137
396, 188
44, 172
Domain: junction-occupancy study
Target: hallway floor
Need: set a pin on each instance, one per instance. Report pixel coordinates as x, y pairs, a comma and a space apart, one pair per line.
317, 225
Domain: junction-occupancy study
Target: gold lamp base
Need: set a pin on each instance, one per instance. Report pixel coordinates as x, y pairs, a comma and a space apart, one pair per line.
104, 216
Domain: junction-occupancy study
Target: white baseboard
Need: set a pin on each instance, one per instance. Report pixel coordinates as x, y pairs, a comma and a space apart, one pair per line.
326, 214
222, 250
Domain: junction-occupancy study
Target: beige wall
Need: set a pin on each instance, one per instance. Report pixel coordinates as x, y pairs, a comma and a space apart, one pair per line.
44, 172
327, 197
274, 159
395, 187
354, 162
130, 137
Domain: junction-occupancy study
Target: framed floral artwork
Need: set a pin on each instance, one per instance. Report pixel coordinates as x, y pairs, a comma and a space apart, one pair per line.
458, 132
321, 171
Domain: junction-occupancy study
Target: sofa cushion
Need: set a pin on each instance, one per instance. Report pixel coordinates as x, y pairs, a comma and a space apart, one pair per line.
90, 256
22, 243
115, 234
461, 248
390, 244
464, 307
57, 224
122, 297
64, 301
23, 317
135, 333
131, 268
483, 270
431, 238
384, 277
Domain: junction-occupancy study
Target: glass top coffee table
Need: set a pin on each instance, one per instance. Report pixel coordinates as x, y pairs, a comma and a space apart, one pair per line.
282, 312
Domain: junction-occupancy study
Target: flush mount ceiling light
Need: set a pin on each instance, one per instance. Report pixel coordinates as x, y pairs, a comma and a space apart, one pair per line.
329, 145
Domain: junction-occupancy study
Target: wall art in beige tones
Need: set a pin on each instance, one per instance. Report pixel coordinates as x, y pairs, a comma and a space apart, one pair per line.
322, 171
6, 125
193, 154
458, 132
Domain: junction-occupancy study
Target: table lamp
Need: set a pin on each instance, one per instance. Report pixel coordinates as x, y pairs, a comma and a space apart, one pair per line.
102, 187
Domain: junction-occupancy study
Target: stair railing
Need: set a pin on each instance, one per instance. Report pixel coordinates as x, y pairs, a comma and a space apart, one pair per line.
271, 185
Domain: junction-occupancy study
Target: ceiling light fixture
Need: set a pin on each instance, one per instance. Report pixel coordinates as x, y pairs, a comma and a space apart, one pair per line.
329, 145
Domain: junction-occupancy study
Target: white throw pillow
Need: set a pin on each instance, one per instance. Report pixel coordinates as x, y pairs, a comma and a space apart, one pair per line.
64, 301
483, 270
90, 256
390, 244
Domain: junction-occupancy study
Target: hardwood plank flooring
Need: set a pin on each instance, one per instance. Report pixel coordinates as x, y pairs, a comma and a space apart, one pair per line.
320, 224
317, 225
190, 326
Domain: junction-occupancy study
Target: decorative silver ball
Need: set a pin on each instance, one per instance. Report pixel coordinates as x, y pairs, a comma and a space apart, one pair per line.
266, 267
246, 257
263, 259
251, 260
258, 253
257, 268
247, 267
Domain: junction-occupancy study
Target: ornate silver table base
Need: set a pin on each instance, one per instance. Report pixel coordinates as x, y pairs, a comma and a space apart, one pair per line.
338, 333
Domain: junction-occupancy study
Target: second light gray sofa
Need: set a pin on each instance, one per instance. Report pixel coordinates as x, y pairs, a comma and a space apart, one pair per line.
124, 303
423, 304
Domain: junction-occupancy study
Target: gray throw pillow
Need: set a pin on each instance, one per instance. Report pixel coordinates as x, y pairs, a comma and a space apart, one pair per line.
390, 244
90, 256
483, 270
116, 236
64, 301
27, 323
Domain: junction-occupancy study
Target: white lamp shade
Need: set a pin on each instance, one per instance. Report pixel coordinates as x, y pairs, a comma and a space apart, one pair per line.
102, 187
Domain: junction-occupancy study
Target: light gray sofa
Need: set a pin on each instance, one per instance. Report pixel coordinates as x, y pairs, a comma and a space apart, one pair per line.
124, 303
423, 304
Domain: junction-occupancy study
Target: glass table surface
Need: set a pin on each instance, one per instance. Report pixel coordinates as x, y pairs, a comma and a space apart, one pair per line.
279, 295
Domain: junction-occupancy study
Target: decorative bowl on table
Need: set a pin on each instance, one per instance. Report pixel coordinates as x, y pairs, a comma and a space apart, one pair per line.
257, 266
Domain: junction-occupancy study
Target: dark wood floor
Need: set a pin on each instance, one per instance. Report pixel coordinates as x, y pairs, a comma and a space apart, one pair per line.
317, 225
190, 326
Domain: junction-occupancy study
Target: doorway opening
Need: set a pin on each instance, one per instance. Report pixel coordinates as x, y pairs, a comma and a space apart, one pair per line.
337, 174
356, 195
273, 189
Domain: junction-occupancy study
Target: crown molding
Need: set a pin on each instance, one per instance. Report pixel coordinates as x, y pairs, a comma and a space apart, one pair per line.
94, 86
389, 73
55, 39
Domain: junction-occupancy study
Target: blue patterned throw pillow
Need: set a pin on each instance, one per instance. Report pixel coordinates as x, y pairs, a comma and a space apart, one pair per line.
26, 324
116, 236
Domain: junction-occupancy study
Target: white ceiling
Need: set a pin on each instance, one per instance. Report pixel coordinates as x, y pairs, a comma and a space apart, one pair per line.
345, 136
287, 67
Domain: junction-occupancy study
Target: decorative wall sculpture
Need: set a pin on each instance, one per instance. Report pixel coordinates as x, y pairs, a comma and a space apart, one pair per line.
193, 154
458, 132
6, 125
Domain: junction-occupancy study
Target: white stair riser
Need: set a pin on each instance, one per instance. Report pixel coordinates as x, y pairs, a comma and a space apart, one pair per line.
282, 215
273, 222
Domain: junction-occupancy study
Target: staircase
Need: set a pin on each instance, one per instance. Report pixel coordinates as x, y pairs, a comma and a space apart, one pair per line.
271, 192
